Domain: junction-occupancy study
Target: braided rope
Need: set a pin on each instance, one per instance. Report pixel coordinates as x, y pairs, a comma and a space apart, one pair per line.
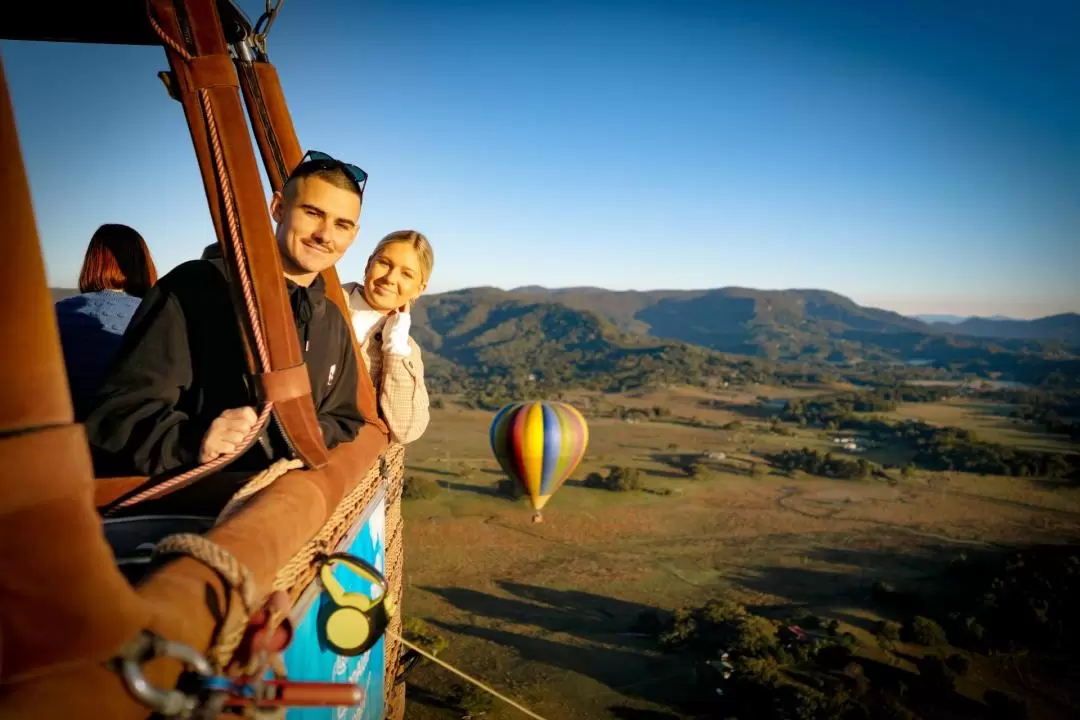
260, 482
237, 578
216, 558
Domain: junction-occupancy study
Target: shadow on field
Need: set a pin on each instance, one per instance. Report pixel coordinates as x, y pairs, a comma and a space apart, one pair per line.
849, 577
432, 471
629, 672
756, 411
582, 614
599, 646
587, 634
431, 698
488, 490
621, 712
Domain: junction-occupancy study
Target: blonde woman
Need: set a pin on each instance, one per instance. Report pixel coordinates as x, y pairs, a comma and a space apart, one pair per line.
396, 273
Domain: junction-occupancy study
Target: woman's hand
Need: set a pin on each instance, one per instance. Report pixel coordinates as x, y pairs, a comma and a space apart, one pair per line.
396, 332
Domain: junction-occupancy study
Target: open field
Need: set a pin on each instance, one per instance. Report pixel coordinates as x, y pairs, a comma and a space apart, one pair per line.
543, 611
989, 421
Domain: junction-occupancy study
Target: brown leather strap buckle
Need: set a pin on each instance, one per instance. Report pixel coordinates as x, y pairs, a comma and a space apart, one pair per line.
287, 384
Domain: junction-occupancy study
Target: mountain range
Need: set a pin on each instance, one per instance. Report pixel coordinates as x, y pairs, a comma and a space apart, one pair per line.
489, 335
778, 323
954, 319
484, 331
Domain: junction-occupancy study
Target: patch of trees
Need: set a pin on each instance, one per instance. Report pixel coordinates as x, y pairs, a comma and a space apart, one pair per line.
1025, 601
993, 602
956, 449
984, 609
1054, 412
959, 450
618, 479
420, 488
944, 451
522, 367
937, 448
834, 408
823, 464
754, 666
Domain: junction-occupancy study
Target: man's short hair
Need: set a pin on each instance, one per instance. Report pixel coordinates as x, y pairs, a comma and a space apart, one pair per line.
336, 176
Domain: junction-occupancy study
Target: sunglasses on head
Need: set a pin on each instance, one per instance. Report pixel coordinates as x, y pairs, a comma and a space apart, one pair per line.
315, 160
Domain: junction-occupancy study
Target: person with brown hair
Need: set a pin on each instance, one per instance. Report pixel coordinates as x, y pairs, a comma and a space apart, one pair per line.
117, 272
179, 394
397, 273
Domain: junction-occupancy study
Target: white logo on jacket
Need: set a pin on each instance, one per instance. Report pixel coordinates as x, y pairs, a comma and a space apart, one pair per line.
330, 380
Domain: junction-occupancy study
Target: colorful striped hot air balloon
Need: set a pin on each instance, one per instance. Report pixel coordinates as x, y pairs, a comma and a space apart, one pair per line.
538, 444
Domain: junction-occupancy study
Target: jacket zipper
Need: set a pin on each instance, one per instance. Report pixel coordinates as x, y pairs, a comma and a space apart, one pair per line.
284, 435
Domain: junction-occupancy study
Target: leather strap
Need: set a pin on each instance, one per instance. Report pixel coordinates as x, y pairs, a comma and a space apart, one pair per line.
62, 599
109, 490
276, 137
260, 256
211, 71
34, 388
280, 385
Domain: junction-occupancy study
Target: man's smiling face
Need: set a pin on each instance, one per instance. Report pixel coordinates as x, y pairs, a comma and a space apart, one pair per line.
316, 224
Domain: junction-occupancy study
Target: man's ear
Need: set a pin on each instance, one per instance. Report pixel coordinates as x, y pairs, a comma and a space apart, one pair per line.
277, 207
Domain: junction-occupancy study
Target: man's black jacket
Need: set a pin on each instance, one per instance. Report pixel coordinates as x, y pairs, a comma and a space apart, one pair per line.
181, 363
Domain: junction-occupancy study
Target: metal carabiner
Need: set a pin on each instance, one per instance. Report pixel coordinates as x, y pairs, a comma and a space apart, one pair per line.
170, 703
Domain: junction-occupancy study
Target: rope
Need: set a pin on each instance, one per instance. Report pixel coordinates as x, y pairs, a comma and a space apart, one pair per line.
464, 675
216, 558
261, 481
246, 287
236, 577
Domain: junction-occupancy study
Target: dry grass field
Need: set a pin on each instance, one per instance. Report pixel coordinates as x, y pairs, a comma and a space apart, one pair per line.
989, 421
543, 612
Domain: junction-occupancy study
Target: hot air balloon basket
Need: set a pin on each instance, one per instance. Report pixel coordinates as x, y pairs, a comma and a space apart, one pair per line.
380, 487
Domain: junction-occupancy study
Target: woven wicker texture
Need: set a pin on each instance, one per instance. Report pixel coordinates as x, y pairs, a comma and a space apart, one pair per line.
301, 570
395, 562
395, 705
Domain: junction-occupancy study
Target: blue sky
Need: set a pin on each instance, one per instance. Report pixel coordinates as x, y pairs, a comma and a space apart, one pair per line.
918, 155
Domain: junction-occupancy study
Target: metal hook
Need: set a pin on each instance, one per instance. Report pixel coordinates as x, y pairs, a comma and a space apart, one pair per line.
172, 702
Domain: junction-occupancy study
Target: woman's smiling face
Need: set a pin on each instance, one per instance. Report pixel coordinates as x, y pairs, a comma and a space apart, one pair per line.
393, 278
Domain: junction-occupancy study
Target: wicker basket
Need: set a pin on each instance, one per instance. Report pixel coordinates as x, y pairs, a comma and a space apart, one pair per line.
295, 577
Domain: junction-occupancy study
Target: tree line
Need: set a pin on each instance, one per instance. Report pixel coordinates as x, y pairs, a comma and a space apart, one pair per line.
936, 448
835, 408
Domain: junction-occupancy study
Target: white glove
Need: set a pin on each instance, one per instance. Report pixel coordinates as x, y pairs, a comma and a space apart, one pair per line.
396, 334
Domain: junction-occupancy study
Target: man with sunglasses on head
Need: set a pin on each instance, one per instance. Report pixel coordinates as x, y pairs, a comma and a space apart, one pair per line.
179, 394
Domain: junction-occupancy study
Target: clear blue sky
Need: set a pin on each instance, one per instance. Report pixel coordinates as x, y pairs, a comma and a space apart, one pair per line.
918, 155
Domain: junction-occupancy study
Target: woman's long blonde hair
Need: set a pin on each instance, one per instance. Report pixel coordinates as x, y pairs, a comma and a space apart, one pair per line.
418, 242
